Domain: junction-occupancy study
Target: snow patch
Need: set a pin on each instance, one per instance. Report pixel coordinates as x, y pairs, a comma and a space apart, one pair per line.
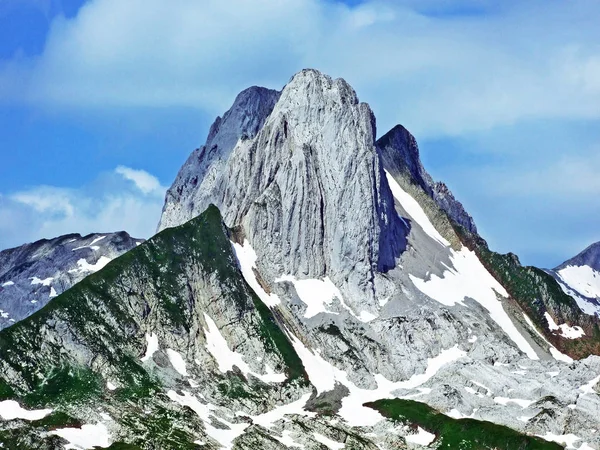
52, 293
91, 244
470, 279
585, 304
329, 443
246, 257
566, 439
225, 437
10, 410
8, 283
566, 331
219, 349
98, 239
422, 437
88, 436
414, 210
366, 316
44, 282
324, 376
318, 294
151, 346
553, 351
268, 419
315, 294
177, 362
110, 386
85, 266
560, 356
586, 446
583, 279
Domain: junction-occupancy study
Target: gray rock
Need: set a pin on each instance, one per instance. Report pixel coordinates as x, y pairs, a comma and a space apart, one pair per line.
400, 155
32, 274
588, 257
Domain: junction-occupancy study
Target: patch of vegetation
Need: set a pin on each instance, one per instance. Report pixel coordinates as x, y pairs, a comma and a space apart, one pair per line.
166, 429
274, 338
459, 434
57, 419
65, 385
102, 316
236, 387
6, 392
123, 446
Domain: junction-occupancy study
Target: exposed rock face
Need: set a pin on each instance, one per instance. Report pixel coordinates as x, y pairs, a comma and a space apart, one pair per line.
33, 274
288, 187
186, 198
400, 155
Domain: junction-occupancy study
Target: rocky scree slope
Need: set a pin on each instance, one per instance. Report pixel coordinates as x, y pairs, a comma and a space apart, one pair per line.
32, 274
532, 289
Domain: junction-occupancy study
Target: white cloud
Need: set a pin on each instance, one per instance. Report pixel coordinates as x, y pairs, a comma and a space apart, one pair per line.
144, 181
114, 204
443, 74
47, 199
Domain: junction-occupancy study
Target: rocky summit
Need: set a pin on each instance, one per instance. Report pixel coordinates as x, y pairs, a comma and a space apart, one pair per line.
310, 286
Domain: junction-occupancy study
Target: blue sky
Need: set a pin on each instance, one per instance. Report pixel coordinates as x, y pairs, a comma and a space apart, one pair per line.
102, 101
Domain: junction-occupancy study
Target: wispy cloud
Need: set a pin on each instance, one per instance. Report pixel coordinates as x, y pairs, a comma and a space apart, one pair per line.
144, 181
125, 199
442, 71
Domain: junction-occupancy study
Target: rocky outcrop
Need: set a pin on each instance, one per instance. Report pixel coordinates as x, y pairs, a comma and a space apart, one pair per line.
579, 278
186, 198
288, 187
589, 257
400, 155
33, 274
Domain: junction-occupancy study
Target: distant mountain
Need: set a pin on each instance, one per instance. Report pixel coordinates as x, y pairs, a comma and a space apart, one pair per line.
580, 278
309, 287
32, 274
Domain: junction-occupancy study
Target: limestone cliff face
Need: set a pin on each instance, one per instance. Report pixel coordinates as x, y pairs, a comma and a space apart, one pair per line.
319, 200
186, 198
308, 189
400, 155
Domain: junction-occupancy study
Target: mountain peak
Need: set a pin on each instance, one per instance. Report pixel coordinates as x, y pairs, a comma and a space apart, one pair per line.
244, 119
588, 257
400, 155
290, 184
317, 83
